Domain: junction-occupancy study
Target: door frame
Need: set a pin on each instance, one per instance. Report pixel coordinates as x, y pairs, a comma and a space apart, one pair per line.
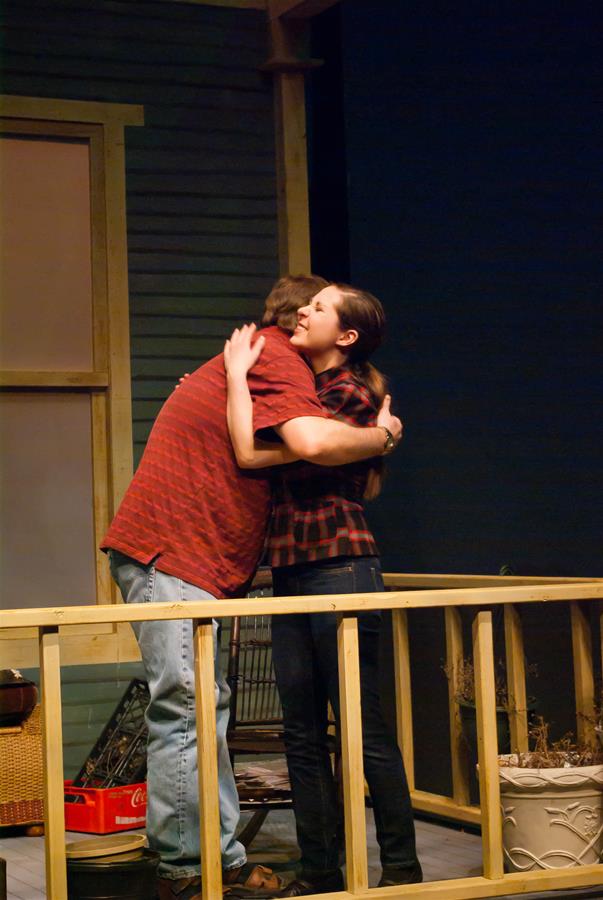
102, 126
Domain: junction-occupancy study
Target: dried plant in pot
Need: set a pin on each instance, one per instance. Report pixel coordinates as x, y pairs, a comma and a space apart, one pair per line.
464, 690
552, 804
465, 697
598, 723
464, 693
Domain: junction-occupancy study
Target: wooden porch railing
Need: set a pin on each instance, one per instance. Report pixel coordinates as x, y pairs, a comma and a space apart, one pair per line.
449, 592
458, 806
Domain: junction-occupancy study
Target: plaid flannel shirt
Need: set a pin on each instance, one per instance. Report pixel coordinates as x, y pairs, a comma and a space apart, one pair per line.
317, 511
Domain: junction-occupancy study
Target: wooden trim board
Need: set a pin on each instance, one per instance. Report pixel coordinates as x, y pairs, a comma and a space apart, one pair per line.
138, 612
70, 111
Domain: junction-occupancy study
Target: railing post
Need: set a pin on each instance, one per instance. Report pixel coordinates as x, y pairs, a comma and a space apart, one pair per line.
600, 605
351, 753
403, 693
458, 749
207, 759
52, 736
584, 682
487, 745
516, 680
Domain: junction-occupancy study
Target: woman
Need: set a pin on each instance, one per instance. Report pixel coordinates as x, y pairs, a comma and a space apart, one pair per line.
319, 543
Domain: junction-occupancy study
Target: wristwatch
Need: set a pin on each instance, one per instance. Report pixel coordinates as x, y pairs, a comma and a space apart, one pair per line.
390, 442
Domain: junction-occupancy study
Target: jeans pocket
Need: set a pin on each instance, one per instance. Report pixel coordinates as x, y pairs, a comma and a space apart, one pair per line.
135, 581
336, 571
330, 580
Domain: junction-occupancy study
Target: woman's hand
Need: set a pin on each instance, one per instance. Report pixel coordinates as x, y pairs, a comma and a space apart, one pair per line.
239, 353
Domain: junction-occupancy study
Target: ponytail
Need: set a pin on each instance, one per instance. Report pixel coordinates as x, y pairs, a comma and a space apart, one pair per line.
375, 382
362, 312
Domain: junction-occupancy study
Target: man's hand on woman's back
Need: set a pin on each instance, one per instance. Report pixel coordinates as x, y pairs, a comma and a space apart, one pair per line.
385, 419
240, 355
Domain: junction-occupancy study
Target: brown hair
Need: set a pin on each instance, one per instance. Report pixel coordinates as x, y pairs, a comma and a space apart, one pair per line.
288, 294
362, 312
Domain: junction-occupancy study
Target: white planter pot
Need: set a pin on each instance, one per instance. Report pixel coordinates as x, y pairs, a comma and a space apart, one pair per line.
552, 818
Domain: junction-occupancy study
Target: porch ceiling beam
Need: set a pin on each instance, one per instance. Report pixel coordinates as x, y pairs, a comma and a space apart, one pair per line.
234, 4
297, 9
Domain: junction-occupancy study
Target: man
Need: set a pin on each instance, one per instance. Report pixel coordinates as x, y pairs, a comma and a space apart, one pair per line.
191, 527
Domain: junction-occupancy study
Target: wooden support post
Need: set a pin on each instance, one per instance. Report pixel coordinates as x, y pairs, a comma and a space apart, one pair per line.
516, 680
487, 745
351, 754
291, 151
298, 9
600, 699
403, 693
207, 759
52, 735
458, 748
584, 682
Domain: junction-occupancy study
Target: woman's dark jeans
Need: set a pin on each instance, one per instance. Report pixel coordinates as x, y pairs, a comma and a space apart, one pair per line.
305, 661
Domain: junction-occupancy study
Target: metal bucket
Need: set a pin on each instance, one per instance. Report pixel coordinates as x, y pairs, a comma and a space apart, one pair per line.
123, 876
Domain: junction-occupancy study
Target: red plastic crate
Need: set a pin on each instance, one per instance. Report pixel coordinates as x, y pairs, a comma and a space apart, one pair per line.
105, 810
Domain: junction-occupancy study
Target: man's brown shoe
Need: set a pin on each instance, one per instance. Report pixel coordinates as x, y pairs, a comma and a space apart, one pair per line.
179, 888
250, 880
299, 887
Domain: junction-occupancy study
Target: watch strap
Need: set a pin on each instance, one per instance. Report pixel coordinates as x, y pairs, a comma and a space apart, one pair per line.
390, 441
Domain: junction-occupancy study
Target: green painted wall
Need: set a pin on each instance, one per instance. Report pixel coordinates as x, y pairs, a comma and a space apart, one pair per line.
201, 201
201, 189
89, 696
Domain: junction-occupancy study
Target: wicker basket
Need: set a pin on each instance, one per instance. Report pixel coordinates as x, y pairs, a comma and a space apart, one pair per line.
21, 772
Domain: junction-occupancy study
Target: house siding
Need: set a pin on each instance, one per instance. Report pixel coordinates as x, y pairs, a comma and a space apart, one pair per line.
200, 175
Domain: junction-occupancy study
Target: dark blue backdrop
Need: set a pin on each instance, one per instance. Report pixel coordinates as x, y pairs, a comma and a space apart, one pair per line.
466, 155
456, 172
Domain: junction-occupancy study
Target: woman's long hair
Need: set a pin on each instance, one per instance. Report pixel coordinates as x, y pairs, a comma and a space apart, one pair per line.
362, 312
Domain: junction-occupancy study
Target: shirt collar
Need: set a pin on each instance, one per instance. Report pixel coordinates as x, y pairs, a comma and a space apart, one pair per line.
329, 376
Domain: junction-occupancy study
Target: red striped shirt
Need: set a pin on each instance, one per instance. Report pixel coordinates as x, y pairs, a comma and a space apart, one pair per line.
189, 506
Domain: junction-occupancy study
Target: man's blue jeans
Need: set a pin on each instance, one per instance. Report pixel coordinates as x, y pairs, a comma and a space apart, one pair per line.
173, 791
305, 659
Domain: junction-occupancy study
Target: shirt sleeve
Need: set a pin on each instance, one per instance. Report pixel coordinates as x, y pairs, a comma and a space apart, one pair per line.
282, 388
349, 402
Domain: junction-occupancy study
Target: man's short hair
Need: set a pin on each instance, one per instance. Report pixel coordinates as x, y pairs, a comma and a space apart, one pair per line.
289, 294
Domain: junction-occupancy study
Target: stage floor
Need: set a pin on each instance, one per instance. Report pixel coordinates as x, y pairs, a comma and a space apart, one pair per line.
444, 853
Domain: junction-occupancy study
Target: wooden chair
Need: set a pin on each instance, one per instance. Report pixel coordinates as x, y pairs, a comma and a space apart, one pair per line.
256, 716
256, 720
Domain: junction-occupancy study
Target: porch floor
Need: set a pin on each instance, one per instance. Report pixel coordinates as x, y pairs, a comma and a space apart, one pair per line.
444, 853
